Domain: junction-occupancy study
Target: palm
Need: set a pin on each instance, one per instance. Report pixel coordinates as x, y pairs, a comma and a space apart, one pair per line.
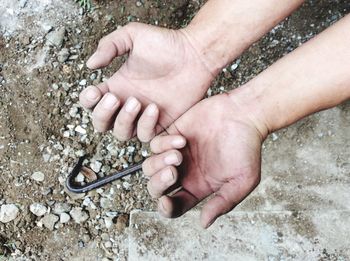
162, 68
222, 156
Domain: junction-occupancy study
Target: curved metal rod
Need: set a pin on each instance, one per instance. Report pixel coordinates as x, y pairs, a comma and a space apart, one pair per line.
75, 187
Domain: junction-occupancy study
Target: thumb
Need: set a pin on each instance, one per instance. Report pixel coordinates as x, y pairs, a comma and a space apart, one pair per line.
112, 45
228, 197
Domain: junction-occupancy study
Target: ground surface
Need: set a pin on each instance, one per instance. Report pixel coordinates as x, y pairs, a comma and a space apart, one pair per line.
43, 47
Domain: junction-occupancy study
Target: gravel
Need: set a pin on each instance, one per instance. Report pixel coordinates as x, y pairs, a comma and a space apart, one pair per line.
64, 218
49, 221
38, 176
38, 209
63, 55
8, 212
79, 215
55, 38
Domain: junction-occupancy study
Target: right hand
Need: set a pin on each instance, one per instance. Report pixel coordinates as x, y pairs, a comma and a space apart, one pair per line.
163, 69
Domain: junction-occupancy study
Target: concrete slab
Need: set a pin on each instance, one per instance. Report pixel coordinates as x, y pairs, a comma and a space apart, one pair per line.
306, 166
279, 235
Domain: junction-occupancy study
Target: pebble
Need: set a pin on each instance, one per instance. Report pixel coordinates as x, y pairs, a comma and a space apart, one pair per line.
106, 203
79, 215
108, 222
49, 221
38, 209
8, 212
55, 38
80, 178
274, 136
63, 55
38, 176
96, 166
80, 130
60, 208
83, 82
64, 218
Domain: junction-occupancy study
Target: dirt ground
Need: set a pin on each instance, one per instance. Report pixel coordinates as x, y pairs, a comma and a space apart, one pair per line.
43, 48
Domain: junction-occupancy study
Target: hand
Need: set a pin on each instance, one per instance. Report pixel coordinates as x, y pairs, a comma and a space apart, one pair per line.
163, 69
222, 159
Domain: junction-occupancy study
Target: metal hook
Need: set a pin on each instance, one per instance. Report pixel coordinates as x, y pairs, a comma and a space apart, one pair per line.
73, 186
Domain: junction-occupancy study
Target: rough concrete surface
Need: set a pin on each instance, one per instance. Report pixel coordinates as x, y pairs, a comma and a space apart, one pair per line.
242, 236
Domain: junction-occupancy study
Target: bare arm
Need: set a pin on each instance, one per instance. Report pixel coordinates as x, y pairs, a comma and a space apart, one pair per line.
223, 29
314, 77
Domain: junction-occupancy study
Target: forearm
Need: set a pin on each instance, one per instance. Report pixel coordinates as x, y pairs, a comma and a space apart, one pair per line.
314, 77
223, 29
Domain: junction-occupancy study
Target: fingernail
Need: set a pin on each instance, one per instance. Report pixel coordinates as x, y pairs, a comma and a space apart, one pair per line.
167, 176
91, 94
178, 142
151, 110
90, 61
171, 159
109, 101
131, 104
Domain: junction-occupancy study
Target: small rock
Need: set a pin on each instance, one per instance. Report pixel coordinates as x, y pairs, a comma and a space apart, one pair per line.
55, 86
274, 136
80, 130
79, 215
63, 55
73, 111
96, 166
138, 3
38, 209
49, 221
106, 203
80, 178
8, 212
38, 176
108, 222
83, 82
122, 222
60, 208
23, 3
55, 38
88, 173
64, 218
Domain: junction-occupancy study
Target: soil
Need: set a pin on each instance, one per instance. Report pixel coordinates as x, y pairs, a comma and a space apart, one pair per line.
37, 122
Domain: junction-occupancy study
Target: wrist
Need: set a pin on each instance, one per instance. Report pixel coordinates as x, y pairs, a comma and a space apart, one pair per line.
214, 54
251, 106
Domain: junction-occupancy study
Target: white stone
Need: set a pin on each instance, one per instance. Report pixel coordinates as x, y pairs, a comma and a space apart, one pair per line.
80, 130
79, 215
64, 218
82, 82
38, 209
8, 212
49, 221
38, 176
80, 178
96, 166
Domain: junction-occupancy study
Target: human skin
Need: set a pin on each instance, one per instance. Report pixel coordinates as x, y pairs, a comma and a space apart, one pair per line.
224, 133
168, 71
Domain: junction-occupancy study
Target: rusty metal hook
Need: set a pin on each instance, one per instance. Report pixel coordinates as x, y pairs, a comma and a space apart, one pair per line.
73, 186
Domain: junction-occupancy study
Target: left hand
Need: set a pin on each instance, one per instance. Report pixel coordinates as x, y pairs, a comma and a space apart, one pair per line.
222, 159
